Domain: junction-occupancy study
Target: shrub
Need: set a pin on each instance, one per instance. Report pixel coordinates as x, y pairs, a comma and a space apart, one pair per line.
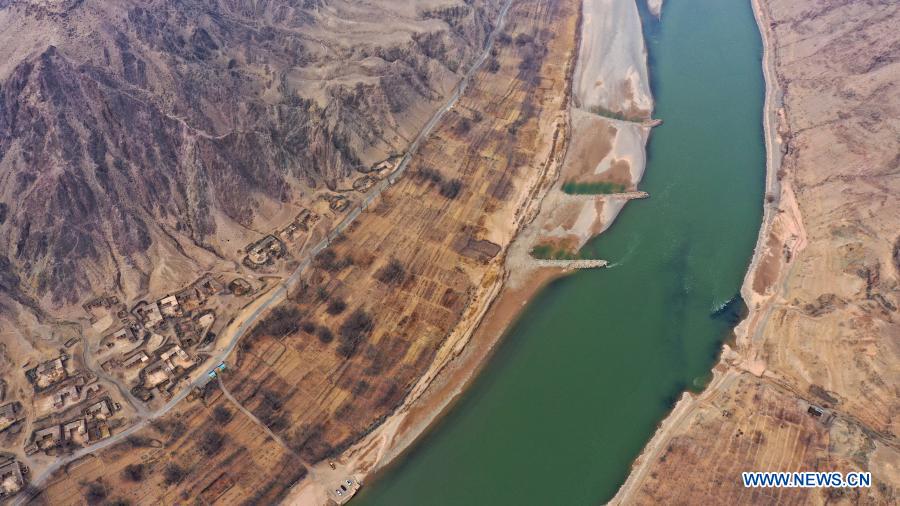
269, 409
138, 441
451, 188
308, 326
282, 321
464, 125
392, 273
173, 473
523, 39
211, 443
328, 260
325, 259
530, 63
173, 428
134, 472
96, 492
271, 400
221, 414
353, 331
336, 306
550, 252
325, 335
301, 293
430, 175
598, 188
344, 262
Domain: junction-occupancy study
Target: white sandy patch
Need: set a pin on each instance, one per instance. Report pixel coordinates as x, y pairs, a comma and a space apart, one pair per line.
655, 7
611, 209
586, 218
628, 145
612, 68
585, 212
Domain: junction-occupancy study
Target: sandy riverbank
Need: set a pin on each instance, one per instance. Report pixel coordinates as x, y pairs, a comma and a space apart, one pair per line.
515, 279
612, 76
781, 219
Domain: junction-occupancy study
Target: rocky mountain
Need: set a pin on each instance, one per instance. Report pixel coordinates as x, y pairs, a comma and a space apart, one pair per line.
131, 130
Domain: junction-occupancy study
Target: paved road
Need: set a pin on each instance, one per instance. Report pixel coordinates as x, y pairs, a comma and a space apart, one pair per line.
276, 294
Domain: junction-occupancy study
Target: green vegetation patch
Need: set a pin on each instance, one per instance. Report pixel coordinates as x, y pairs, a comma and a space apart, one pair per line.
609, 113
598, 188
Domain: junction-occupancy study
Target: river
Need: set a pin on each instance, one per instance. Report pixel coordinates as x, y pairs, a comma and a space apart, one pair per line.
596, 361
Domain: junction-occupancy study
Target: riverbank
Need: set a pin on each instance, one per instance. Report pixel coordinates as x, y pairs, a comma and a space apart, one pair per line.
811, 379
779, 202
549, 211
461, 354
612, 77
520, 279
584, 376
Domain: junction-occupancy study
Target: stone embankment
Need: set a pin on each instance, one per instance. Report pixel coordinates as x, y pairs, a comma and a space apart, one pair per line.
571, 264
610, 196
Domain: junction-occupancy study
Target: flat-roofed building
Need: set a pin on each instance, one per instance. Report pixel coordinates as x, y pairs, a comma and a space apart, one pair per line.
168, 306
99, 431
65, 396
49, 373
47, 438
100, 410
150, 315
135, 360
11, 479
9, 414
75, 431
124, 333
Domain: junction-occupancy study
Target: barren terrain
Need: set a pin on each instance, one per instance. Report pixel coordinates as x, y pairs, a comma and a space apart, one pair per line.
812, 381
166, 166
375, 314
142, 142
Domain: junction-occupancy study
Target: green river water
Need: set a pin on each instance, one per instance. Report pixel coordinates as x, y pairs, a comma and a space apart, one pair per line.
580, 382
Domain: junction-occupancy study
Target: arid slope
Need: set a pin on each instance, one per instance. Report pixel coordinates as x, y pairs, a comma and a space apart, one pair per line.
136, 132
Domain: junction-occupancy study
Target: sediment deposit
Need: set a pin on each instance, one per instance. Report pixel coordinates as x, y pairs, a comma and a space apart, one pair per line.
612, 74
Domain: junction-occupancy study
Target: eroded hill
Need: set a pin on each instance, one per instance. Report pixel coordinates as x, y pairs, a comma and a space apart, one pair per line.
136, 131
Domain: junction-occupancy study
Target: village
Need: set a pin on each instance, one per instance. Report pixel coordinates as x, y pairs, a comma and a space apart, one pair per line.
71, 408
262, 255
152, 351
159, 344
134, 359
